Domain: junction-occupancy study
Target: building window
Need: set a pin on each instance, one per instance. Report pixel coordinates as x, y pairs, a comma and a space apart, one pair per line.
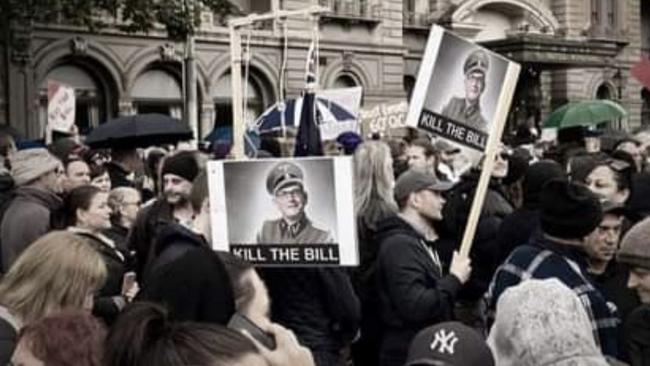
158, 91
603, 18
90, 98
223, 101
344, 81
604, 92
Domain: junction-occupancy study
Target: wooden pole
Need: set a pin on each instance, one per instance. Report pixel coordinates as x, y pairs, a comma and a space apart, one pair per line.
494, 139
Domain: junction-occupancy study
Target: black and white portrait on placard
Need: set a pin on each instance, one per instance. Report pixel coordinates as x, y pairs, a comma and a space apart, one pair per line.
279, 211
473, 84
461, 90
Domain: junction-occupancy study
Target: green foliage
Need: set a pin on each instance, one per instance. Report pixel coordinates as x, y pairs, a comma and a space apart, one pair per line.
179, 17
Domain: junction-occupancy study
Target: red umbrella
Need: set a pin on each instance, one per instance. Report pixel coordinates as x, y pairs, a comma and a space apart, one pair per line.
641, 71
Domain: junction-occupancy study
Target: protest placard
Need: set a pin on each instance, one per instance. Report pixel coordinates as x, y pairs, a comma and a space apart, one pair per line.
383, 119
60, 107
463, 94
284, 212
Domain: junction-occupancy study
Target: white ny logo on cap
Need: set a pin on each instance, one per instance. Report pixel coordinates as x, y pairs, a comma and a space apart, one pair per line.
444, 342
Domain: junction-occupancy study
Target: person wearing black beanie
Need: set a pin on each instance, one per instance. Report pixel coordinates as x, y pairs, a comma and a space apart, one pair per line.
569, 213
177, 173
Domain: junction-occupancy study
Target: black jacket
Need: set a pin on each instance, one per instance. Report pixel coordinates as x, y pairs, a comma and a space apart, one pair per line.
516, 229
188, 278
145, 230
413, 291
118, 234
318, 304
118, 175
108, 302
637, 335
484, 247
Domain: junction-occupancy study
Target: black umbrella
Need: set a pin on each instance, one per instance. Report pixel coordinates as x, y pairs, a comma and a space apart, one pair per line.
140, 130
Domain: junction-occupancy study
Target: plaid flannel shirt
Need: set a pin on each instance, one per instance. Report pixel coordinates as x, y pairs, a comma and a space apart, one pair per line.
546, 259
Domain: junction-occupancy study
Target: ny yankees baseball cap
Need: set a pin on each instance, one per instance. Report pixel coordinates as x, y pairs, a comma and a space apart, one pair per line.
449, 344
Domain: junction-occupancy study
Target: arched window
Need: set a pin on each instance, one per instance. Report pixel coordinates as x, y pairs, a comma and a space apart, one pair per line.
344, 81
222, 97
604, 92
90, 97
158, 91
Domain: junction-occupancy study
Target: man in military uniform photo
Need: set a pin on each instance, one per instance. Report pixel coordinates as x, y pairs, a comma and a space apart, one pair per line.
467, 110
285, 183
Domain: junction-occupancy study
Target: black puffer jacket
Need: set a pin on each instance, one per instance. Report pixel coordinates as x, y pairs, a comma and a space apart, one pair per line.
413, 291
318, 304
637, 336
484, 248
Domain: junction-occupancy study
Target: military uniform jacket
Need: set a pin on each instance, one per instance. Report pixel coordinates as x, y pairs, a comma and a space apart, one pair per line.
457, 110
302, 232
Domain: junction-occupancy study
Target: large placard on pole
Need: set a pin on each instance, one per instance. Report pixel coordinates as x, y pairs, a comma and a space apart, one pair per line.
463, 94
284, 212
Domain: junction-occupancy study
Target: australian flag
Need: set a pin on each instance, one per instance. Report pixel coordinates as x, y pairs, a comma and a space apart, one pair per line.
308, 142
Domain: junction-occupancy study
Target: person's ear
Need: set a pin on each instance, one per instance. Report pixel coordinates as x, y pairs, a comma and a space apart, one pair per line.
305, 197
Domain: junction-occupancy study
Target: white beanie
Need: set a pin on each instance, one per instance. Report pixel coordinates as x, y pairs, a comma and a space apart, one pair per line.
29, 165
543, 322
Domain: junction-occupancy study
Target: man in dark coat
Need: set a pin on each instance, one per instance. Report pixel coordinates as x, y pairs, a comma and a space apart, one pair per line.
635, 252
38, 176
186, 275
178, 172
569, 212
413, 290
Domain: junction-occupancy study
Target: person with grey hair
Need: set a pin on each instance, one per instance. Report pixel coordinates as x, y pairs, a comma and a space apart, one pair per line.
38, 177
467, 109
125, 203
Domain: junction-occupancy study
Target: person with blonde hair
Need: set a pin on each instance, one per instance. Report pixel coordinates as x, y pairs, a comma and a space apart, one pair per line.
373, 202
59, 271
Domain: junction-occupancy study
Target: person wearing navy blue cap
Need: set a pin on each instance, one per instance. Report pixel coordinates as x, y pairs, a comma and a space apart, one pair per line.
285, 183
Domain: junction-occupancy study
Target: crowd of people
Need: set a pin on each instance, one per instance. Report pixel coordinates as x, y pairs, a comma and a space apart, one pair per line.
106, 260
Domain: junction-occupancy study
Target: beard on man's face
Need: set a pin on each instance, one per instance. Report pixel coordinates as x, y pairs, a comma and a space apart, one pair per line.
176, 198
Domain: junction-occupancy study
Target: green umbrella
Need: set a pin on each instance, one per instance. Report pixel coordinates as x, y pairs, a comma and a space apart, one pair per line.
587, 113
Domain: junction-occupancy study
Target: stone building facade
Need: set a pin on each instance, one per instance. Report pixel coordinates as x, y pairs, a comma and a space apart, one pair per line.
569, 50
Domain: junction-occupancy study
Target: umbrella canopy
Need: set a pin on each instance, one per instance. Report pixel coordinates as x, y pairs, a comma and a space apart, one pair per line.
272, 119
587, 113
140, 130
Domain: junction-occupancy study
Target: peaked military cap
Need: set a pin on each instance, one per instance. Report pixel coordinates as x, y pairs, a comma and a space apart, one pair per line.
477, 61
283, 174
